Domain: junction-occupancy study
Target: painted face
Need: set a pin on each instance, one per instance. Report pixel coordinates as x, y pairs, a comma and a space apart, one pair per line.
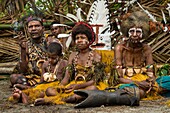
135, 34
53, 58
82, 41
35, 29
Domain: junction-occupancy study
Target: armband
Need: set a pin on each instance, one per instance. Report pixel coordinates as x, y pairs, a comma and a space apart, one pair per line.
118, 67
149, 66
150, 74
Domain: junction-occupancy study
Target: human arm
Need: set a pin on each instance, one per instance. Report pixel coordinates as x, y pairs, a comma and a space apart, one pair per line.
97, 57
62, 69
149, 63
118, 59
23, 63
67, 74
80, 86
44, 66
144, 84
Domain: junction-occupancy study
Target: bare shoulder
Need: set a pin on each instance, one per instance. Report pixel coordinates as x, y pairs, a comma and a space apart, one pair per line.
146, 47
71, 57
64, 62
50, 39
97, 56
119, 46
73, 54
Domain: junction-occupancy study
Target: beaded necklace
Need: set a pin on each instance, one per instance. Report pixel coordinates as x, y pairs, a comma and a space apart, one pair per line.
87, 65
49, 69
89, 59
35, 51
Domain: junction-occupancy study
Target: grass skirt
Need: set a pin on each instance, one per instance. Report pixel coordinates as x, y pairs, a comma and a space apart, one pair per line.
60, 96
37, 91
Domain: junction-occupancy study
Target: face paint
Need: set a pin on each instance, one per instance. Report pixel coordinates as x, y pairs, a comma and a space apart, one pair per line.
135, 31
82, 41
135, 34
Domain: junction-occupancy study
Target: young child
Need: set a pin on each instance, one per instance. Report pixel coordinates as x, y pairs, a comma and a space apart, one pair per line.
55, 66
81, 71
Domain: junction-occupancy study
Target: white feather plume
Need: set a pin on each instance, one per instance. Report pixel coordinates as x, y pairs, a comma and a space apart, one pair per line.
79, 10
72, 17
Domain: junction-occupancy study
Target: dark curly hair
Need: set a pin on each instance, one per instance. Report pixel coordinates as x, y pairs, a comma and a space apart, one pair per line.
83, 28
55, 47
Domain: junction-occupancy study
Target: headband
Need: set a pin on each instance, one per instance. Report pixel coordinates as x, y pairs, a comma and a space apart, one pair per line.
91, 29
55, 25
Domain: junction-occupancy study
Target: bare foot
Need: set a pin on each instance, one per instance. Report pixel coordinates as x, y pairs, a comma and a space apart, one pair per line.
17, 94
74, 99
39, 101
21, 86
71, 99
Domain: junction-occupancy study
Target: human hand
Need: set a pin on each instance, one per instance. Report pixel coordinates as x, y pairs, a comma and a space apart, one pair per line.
151, 80
16, 94
72, 87
19, 35
144, 84
39, 101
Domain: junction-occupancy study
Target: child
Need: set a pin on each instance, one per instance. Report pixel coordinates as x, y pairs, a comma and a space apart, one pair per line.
81, 72
55, 66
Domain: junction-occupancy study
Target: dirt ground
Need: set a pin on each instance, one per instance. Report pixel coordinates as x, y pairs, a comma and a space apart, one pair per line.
156, 106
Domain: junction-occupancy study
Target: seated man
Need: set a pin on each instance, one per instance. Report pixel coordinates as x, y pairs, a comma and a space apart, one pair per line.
52, 72
31, 51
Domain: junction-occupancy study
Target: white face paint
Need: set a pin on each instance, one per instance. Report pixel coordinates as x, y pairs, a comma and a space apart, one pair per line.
135, 32
82, 41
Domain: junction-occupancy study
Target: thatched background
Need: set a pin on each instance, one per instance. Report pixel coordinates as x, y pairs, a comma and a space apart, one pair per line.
9, 52
159, 40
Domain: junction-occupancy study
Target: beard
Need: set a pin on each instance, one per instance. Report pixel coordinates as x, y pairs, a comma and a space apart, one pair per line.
134, 40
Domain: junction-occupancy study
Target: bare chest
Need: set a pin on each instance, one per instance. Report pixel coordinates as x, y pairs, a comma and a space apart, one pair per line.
133, 58
84, 59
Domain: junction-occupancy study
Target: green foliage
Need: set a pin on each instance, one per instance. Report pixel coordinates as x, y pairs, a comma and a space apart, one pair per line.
164, 70
2, 14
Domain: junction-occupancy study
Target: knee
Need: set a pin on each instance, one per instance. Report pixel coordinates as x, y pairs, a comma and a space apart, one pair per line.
13, 78
50, 91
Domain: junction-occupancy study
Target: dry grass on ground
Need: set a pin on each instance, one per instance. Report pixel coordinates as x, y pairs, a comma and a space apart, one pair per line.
156, 106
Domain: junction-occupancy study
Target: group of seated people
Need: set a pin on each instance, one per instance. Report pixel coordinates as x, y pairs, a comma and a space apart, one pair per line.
45, 77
